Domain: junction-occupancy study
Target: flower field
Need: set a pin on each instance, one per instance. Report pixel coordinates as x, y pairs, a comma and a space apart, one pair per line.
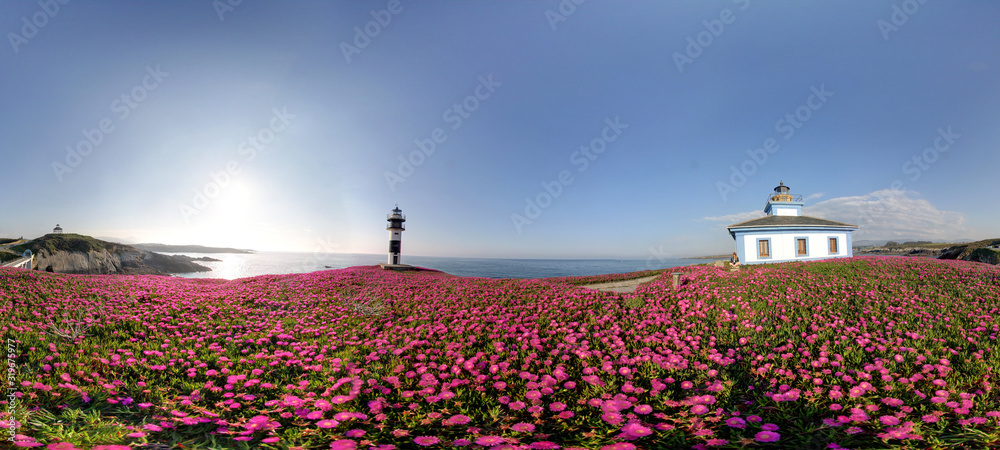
864, 352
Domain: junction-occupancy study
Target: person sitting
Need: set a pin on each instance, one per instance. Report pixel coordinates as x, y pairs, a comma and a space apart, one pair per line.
734, 260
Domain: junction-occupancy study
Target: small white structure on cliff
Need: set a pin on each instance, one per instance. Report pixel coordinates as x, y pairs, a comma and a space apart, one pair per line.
57, 229
784, 234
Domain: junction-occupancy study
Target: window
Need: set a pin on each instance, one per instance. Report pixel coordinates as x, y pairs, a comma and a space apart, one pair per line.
800, 247
833, 246
764, 248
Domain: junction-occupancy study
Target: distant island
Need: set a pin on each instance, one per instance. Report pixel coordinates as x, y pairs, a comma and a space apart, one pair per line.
165, 248
79, 254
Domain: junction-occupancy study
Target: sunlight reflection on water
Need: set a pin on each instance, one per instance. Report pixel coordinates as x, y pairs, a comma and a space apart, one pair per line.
234, 265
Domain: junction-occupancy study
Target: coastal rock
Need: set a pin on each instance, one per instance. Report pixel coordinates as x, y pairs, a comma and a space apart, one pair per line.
984, 251
135, 262
77, 254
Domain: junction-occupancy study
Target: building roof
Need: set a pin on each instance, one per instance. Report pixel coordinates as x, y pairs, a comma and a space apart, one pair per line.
789, 221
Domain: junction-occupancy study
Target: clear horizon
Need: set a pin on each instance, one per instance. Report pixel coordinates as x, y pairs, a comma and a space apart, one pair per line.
534, 130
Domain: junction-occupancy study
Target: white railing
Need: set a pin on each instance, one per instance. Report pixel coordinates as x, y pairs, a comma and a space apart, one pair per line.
21, 263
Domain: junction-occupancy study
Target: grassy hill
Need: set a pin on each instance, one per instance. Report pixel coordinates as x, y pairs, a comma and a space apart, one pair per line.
67, 242
8, 256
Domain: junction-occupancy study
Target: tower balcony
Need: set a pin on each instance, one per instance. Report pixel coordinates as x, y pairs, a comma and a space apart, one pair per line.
783, 198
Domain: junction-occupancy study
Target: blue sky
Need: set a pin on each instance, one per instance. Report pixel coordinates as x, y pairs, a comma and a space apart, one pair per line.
277, 126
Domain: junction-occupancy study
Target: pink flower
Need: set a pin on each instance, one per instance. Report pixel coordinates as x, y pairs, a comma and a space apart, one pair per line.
766, 436
619, 446
522, 427
457, 419
62, 446
736, 422
634, 429
699, 409
424, 441
888, 420
327, 423
343, 444
489, 441
612, 418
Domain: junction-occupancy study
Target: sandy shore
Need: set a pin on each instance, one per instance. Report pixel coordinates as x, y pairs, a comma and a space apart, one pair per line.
620, 286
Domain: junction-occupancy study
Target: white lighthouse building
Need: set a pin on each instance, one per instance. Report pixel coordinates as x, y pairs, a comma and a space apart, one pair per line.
395, 228
784, 234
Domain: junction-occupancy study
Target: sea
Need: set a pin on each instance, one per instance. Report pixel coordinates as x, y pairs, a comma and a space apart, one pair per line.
242, 265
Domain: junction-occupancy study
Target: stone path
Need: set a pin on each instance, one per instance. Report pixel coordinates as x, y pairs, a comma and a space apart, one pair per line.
619, 286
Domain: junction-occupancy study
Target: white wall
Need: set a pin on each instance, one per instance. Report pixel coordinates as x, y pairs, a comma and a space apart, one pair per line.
783, 245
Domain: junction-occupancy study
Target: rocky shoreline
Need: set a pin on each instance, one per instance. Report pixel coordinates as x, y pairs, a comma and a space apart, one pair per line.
77, 254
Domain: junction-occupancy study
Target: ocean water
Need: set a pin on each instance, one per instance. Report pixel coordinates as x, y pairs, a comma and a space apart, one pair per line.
233, 265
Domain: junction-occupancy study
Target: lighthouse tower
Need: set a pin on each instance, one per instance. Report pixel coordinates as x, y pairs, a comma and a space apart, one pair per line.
396, 228
781, 203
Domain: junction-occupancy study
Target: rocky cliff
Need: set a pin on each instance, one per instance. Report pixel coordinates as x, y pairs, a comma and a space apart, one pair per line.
979, 251
73, 253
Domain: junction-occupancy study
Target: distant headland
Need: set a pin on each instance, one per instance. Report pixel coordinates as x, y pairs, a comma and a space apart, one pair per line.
166, 248
79, 254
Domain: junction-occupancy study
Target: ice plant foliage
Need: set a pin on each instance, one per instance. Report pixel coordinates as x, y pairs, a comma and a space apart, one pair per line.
853, 353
